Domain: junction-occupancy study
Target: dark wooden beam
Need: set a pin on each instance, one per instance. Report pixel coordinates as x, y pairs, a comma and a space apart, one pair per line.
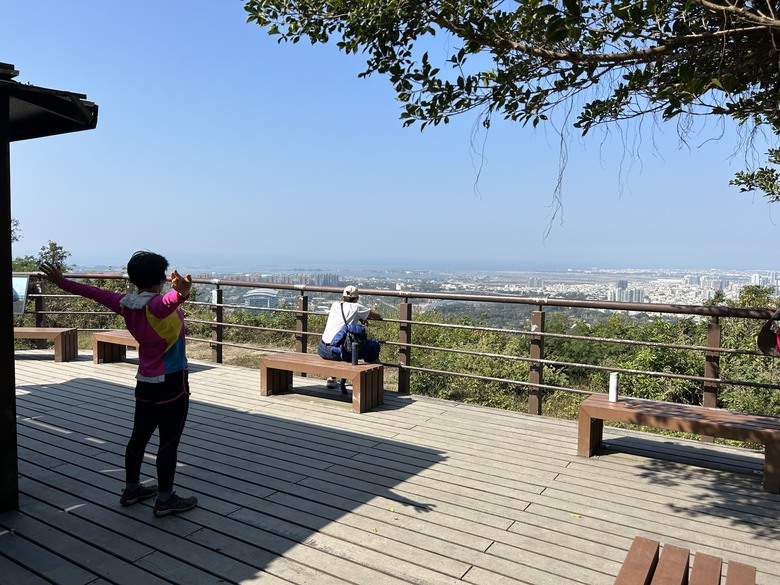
9, 466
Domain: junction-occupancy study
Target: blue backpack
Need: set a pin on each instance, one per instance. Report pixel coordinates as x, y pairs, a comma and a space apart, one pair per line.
346, 336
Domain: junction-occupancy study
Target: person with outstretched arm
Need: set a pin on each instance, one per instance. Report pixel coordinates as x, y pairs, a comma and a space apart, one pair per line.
162, 389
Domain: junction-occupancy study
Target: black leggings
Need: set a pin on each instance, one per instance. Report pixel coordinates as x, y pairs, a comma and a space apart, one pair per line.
169, 417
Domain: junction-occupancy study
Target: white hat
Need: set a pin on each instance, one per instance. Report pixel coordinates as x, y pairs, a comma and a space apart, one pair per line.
351, 292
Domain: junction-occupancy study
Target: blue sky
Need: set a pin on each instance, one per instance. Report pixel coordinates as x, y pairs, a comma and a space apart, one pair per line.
217, 145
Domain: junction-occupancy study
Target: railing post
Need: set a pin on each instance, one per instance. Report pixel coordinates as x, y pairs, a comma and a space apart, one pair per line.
404, 351
536, 374
711, 369
302, 323
40, 317
216, 325
40, 306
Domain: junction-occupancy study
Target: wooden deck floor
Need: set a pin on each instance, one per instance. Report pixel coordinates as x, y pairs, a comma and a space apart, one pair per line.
297, 489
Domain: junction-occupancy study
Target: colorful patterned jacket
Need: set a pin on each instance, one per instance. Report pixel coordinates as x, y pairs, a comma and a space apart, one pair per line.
154, 320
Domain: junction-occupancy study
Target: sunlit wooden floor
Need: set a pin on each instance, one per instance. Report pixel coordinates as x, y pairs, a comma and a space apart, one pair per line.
298, 489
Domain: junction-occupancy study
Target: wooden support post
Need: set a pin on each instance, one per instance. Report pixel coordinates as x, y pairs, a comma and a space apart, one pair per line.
40, 315
9, 465
536, 375
216, 325
404, 351
302, 324
711, 370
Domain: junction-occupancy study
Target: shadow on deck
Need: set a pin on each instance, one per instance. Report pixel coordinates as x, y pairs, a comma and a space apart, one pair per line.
297, 489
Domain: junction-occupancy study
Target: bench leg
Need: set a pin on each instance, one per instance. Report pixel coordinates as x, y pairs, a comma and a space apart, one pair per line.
60, 346
104, 352
359, 398
589, 433
66, 346
378, 382
368, 389
772, 467
273, 381
71, 346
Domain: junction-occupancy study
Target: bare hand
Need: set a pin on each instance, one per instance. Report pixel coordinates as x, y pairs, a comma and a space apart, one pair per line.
51, 272
181, 284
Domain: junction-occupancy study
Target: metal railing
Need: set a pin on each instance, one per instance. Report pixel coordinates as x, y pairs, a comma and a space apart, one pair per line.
407, 324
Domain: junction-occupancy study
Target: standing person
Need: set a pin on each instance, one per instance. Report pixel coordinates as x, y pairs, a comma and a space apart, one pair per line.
162, 389
347, 312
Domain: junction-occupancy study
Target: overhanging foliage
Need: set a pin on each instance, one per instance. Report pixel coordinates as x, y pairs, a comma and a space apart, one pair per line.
612, 60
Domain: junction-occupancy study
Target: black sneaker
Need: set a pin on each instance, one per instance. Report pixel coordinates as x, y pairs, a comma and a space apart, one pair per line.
142, 492
173, 505
343, 386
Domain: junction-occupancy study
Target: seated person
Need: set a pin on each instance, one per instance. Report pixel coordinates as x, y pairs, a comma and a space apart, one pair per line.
342, 313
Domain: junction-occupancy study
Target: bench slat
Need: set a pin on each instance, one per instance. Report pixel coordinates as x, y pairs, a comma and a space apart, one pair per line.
640, 563
644, 566
706, 570
740, 574
672, 566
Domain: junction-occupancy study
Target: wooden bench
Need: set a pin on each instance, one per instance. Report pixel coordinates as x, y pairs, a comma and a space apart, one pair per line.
111, 346
700, 420
276, 371
66, 339
643, 566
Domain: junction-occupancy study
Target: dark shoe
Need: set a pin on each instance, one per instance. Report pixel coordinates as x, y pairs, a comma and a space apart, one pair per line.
173, 505
142, 492
343, 386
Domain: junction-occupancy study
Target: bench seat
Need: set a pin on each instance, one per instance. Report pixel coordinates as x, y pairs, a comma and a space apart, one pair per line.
644, 566
66, 339
276, 371
700, 420
111, 346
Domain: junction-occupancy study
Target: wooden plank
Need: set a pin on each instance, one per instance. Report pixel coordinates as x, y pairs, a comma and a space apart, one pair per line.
740, 574
706, 570
20, 560
292, 489
640, 563
672, 566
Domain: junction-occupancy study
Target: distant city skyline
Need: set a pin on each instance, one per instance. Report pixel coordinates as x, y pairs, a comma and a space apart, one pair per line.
215, 144
690, 274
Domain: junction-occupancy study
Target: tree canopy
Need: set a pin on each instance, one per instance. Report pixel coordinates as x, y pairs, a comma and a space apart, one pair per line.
598, 62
